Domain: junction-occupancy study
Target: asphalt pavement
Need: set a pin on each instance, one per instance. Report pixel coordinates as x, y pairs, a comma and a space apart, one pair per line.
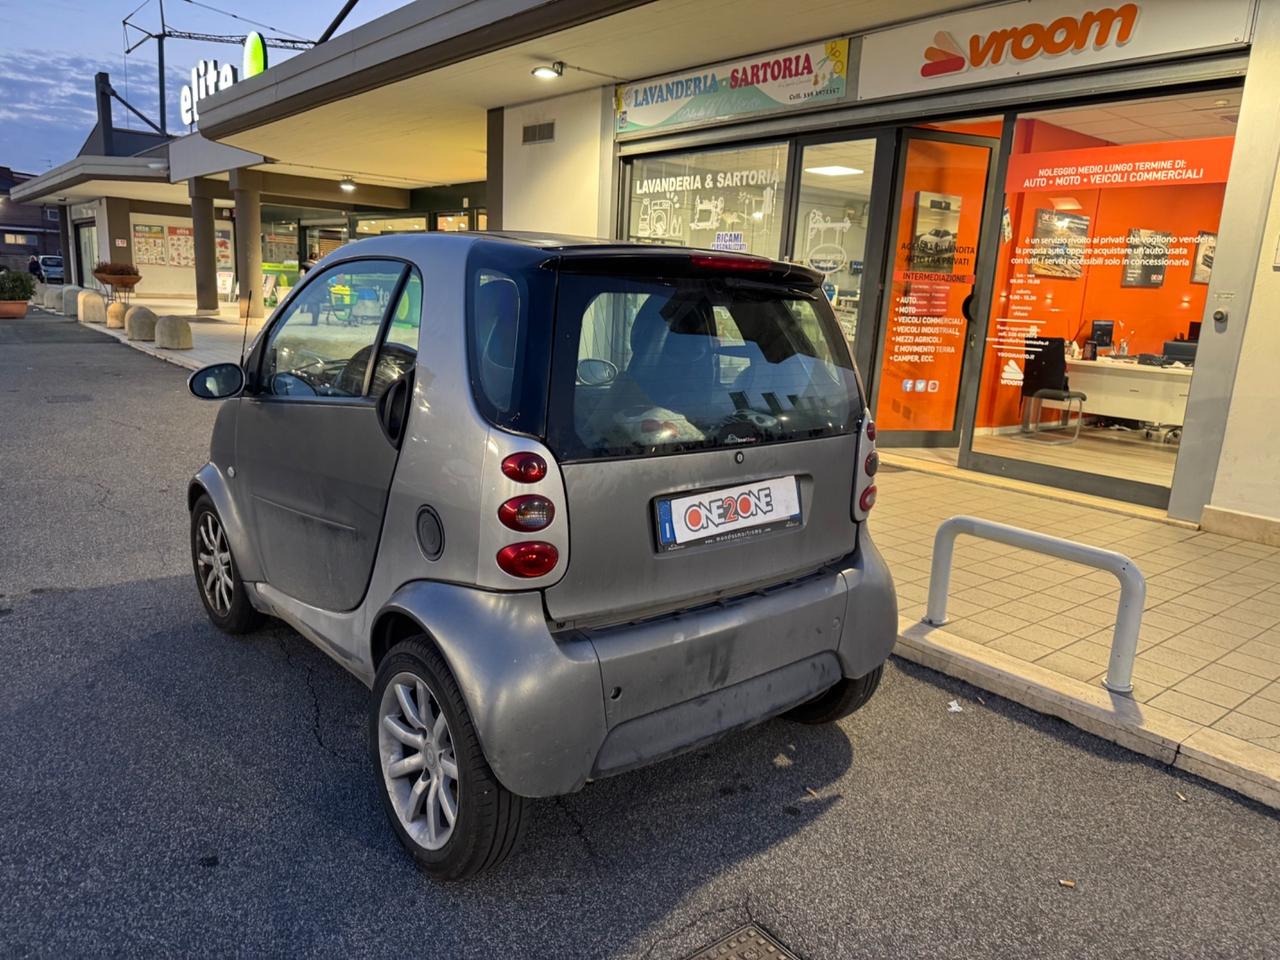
171, 791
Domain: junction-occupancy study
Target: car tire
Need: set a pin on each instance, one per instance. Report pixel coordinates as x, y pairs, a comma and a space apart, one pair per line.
838, 701
226, 603
489, 820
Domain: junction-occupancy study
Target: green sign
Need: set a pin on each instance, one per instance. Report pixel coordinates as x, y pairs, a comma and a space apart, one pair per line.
255, 55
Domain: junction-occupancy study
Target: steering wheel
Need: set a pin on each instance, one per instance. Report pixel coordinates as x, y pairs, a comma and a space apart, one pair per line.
297, 364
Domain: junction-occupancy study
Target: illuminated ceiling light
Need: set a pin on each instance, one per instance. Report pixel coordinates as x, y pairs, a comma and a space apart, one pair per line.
757, 215
347, 185
835, 170
1066, 203
549, 71
1222, 103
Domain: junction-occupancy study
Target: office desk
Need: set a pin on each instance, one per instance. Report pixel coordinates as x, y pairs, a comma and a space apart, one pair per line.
1130, 390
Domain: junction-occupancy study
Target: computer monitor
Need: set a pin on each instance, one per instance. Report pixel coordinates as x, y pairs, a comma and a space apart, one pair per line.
1182, 350
1102, 332
1193, 331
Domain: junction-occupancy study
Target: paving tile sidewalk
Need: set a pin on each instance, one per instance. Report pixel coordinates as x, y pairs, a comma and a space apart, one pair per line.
214, 339
1209, 647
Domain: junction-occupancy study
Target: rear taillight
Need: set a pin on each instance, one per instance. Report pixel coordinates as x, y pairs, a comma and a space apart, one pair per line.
868, 499
864, 485
524, 467
533, 558
528, 513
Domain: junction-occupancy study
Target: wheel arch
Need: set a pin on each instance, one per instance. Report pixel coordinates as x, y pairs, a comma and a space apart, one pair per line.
210, 481
536, 702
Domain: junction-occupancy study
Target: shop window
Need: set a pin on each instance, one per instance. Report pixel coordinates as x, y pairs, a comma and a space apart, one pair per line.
1107, 245
717, 199
831, 221
453, 222
321, 347
376, 226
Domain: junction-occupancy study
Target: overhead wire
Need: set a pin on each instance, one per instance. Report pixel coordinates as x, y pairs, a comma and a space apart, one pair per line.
236, 16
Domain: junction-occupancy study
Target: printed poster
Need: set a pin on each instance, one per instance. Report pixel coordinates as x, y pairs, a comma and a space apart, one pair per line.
1202, 267
226, 253
182, 251
1147, 259
936, 220
148, 245
1058, 244
786, 80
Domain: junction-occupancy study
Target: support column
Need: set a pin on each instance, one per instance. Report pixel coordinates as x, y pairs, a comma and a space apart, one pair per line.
246, 189
494, 159
205, 242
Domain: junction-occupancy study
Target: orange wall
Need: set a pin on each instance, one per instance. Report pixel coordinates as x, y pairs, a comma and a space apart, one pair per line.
1066, 307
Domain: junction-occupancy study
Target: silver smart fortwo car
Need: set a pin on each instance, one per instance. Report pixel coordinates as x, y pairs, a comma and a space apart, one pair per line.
567, 507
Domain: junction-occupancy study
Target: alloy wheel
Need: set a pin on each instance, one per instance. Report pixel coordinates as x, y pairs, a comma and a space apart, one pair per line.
418, 763
213, 565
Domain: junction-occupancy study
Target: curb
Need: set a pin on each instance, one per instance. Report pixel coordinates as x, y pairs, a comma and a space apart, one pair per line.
142, 346
1223, 759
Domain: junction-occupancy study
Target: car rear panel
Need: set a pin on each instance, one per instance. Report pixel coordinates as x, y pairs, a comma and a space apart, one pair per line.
797, 379
617, 571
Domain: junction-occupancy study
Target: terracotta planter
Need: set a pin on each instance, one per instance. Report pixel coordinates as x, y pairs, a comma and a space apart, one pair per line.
118, 281
13, 309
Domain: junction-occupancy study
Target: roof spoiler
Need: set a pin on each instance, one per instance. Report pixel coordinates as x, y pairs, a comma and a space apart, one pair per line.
666, 262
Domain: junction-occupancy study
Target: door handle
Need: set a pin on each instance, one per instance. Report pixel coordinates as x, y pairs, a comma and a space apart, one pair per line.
393, 409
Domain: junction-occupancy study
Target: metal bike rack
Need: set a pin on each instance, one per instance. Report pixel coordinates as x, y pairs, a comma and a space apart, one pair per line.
1133, 585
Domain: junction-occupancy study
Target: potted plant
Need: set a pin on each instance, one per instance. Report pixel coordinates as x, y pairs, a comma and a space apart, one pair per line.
15, 290
121, 277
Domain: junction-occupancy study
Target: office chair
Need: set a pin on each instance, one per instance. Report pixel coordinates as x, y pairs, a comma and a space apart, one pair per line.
1044, 377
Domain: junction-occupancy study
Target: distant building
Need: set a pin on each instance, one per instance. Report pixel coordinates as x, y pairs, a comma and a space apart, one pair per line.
25, 228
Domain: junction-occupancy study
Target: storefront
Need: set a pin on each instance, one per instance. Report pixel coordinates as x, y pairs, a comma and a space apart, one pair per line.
1022, 270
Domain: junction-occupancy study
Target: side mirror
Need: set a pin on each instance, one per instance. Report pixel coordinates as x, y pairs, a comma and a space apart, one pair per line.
593, 372
217, 381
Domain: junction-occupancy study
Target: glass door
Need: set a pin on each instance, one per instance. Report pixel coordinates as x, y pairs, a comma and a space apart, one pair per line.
87, 247
842, 199
931, 286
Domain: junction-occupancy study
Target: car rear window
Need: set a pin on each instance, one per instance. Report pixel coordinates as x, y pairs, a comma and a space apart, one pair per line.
648, 366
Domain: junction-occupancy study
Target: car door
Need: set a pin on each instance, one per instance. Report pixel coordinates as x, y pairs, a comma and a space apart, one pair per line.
310, 450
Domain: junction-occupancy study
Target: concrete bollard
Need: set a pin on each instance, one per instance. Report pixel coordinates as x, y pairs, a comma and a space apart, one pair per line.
70, 306
53, 298
115, 315
37, 296
91, 307
139, 324
173, 333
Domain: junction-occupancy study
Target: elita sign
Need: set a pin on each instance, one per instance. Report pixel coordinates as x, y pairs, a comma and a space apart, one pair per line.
209, 76
1029, 37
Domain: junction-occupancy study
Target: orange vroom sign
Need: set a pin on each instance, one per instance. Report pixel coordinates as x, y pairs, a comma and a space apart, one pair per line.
1094, 29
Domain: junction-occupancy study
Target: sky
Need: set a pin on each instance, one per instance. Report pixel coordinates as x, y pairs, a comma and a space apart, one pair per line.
51, 49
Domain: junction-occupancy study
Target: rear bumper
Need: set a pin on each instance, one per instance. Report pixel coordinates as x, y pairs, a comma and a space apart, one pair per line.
554, 711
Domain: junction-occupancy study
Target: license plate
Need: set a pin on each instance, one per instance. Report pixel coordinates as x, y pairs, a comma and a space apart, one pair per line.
731, 513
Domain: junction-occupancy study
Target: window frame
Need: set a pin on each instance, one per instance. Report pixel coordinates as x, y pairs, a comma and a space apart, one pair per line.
284, 311
534, 271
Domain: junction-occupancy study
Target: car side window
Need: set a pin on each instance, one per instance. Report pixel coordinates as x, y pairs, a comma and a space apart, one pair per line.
497, 333
322, 345
399, 350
